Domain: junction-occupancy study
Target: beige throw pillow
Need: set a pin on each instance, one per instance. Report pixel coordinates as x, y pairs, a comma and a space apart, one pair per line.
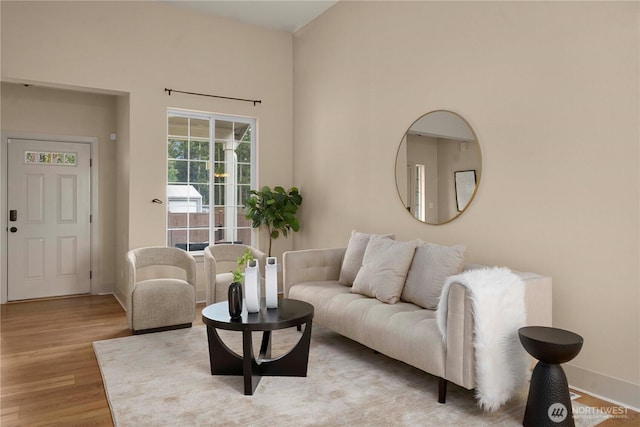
431, 266
354, 255
384, 269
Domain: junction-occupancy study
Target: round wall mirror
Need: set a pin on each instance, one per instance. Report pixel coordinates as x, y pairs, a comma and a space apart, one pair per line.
438, 167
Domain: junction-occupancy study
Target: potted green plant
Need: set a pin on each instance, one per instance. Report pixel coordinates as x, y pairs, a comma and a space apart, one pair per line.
275, 209
241, 261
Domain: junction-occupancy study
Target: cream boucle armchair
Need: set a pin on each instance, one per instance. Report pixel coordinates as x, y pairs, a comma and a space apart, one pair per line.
161, 290
219, 262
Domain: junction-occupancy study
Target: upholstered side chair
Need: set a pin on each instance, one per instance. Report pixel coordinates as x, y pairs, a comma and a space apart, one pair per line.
219, 261
161, 289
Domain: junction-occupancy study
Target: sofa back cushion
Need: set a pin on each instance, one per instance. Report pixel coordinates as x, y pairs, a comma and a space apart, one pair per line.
354, 255
384, 269
431, 266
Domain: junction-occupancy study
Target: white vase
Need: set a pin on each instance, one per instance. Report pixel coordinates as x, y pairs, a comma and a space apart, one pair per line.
271, 282
252, 286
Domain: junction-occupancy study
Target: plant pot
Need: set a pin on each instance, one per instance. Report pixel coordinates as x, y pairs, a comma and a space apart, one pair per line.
235, 300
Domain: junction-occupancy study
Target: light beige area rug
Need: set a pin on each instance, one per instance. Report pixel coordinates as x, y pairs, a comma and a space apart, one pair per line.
163, 379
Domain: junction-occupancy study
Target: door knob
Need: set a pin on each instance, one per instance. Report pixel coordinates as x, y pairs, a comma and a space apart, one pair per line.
13, 229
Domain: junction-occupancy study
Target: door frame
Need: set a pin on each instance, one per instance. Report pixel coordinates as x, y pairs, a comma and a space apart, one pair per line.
5, 136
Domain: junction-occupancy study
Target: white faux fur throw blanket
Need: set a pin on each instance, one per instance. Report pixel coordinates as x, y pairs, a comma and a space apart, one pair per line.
497, 296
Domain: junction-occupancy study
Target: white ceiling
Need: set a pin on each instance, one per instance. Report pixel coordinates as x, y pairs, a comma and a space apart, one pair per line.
284, 15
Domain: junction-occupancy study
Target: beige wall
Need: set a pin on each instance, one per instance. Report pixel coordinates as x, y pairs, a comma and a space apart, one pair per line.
37, 110
139, 49
551, 90
121, 169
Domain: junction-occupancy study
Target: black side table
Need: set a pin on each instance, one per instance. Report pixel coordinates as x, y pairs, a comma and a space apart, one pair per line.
549, 403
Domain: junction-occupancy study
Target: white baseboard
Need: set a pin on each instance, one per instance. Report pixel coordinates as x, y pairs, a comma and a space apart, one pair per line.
120, 302
105, 289
604, 387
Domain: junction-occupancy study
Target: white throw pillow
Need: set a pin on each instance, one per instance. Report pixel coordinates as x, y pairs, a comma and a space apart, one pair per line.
354, 255
384, 269
431, 266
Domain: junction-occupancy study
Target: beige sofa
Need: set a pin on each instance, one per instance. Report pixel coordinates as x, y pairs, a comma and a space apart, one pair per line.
401, 330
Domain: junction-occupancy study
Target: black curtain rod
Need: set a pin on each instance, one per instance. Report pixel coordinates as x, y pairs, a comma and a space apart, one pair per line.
255, 101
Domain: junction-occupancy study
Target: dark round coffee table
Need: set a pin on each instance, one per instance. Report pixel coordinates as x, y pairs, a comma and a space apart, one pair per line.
549, 403
224, 361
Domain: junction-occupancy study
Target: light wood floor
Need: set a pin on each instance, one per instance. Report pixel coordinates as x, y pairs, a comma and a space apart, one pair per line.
49, 373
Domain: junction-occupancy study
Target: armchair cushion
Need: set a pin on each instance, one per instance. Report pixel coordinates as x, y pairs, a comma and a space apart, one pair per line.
223, 280
160, 302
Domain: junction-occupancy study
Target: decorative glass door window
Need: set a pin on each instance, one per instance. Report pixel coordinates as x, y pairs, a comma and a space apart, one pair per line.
210, 171
48, 158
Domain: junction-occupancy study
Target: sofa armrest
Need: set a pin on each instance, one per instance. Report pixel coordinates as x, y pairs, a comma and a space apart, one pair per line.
460, 354
311, 265
537, 299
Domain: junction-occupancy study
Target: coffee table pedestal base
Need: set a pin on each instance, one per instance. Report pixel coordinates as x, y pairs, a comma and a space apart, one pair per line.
225, 361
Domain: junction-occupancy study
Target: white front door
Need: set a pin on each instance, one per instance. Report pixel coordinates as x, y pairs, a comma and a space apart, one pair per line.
49, 203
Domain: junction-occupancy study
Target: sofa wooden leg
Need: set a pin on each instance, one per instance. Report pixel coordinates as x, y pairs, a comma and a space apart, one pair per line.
442, 390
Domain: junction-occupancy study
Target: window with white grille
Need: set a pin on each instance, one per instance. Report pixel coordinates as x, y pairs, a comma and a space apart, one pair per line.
210, 171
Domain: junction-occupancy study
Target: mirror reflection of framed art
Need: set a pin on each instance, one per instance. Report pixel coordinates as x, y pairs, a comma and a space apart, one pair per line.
465, 186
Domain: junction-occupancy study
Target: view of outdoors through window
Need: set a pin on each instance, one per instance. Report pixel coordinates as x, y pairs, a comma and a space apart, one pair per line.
210, 170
